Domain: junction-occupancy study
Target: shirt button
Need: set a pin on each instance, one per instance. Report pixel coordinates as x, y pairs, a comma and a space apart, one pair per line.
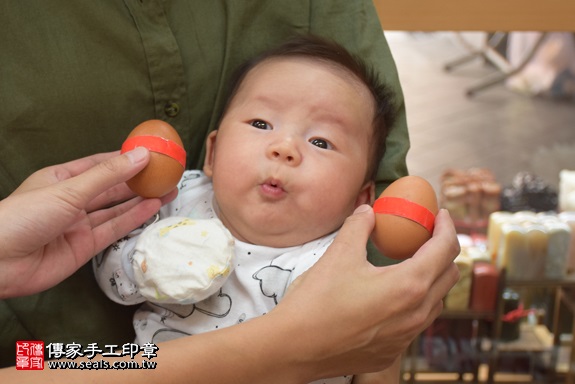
171, 109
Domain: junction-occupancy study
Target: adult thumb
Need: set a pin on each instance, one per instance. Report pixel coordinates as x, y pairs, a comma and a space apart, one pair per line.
347, 249
356, 229
108, 173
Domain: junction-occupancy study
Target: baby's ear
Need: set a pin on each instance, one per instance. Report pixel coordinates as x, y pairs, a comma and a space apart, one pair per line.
210, 153
366, 194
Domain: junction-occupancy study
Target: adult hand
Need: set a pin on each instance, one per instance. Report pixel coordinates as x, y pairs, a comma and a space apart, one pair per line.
343, 316
63, 215
367, 315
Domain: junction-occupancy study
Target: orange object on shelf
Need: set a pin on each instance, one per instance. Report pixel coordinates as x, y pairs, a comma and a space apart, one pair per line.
484, 287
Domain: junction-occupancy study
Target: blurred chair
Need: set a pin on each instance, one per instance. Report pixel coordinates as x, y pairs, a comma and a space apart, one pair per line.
497, 17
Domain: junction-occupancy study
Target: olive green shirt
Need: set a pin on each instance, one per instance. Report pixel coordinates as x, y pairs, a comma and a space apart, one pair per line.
77, 76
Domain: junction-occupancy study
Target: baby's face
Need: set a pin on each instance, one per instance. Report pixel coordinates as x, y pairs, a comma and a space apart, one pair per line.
290, 157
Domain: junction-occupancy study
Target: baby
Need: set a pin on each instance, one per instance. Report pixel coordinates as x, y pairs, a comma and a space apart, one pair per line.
296, 152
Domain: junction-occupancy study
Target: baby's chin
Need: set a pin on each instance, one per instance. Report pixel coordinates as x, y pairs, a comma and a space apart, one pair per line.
281, 240
274, 231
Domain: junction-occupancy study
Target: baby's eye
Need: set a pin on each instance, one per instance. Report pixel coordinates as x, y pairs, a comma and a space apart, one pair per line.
321, 143
260, 124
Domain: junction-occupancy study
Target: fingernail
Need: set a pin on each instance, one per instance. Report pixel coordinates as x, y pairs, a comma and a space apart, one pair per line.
137, 155
362, 208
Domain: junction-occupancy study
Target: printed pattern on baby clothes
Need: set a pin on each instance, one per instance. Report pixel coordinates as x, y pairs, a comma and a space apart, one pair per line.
259, 279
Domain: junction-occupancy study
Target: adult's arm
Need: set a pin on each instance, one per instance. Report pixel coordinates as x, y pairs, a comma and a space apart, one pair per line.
299, 341
91, 74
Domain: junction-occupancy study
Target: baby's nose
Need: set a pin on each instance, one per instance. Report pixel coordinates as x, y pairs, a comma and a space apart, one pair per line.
285, 150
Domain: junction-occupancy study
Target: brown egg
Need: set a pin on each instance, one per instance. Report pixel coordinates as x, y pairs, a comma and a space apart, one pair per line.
404, 217
167, 161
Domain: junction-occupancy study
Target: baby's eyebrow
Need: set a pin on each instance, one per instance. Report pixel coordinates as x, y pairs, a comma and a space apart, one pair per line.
337, 120
268, 100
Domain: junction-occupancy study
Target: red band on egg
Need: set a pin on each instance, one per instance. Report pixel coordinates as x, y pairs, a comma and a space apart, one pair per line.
404, 208
156, 144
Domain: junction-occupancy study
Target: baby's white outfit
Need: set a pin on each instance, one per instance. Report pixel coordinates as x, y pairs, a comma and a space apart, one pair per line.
193, 276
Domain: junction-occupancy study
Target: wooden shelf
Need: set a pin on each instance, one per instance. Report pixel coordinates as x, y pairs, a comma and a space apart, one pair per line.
533, 340
485, 15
